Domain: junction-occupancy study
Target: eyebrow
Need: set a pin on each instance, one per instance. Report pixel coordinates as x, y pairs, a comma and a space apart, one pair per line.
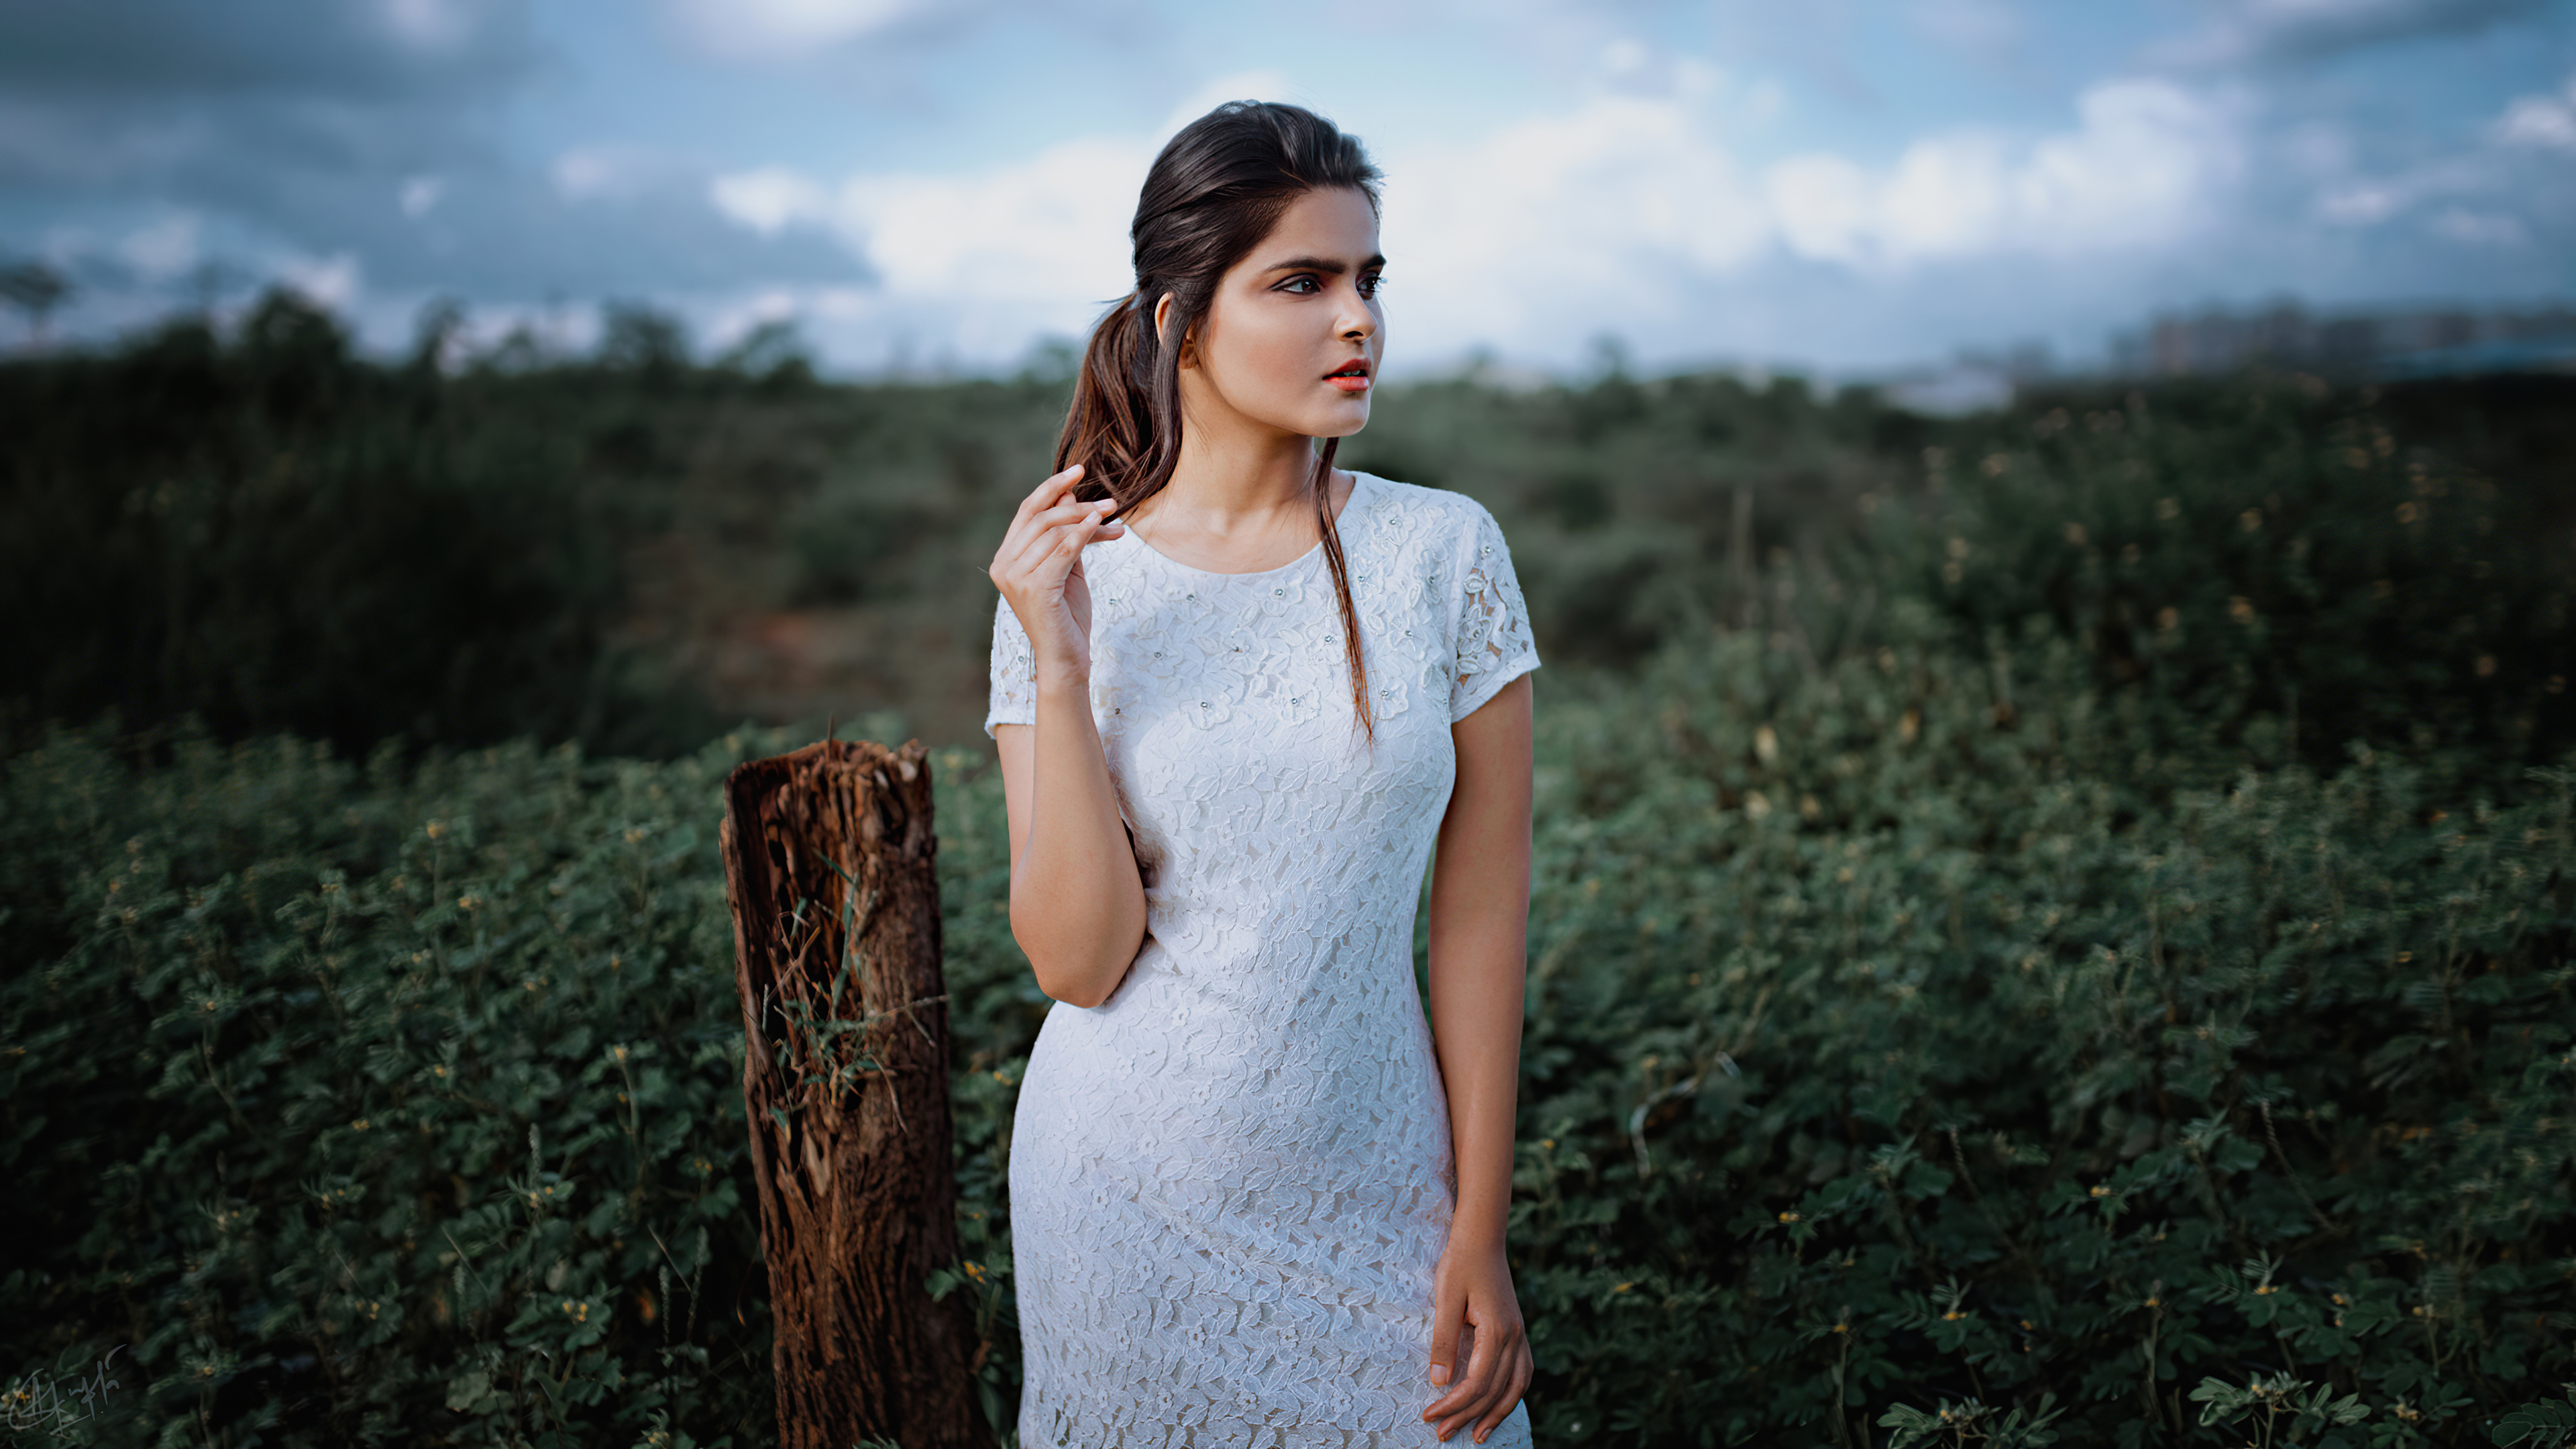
1323, 264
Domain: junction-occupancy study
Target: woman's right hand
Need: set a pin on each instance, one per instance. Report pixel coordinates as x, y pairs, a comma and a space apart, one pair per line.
1038, 568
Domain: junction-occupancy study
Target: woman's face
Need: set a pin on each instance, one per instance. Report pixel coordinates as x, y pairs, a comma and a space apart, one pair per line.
1292, 337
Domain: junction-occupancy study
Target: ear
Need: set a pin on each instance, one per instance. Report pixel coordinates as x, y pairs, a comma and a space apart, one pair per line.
1162, 314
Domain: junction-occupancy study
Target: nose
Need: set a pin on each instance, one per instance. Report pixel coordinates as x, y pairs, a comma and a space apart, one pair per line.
1358, 319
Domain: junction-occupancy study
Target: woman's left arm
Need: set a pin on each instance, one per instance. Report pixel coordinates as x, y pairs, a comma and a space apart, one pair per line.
1480, 888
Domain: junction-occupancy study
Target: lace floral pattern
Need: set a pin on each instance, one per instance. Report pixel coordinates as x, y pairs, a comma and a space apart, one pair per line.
1231, 1181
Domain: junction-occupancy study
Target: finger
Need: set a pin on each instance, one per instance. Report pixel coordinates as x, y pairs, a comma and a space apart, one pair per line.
1045, 494
1515, 1383
1088, 532
1500, 1351
1481, 1382
1057, 517
1448, 1311
1059, 550
1021, 563
1466, 1392
1042, 543
1040, 498
1026, 528
1049, 488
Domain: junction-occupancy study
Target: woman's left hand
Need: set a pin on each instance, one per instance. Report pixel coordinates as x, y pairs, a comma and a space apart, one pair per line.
1473, 1287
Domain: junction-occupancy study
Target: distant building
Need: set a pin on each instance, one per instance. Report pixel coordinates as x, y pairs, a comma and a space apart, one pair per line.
2428, 342
1975, 380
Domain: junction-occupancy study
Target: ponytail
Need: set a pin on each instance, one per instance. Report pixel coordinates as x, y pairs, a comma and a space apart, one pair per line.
1110, 427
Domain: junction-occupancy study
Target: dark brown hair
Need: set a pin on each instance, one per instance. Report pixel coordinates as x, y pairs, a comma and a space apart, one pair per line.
1215, 191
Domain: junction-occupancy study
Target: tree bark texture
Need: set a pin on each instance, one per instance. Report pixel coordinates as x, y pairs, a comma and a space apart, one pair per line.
830, 867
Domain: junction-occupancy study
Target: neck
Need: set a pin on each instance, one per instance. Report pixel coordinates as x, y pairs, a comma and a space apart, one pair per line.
1237, 502
1235, 475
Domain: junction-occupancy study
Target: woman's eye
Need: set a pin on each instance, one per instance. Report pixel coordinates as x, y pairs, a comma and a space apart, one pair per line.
1301, 284
1370, 283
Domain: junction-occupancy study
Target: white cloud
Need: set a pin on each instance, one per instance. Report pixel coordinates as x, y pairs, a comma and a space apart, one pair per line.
769, 198
419, 194
2488, 181
2363, 203
1610, 215
602, 173
787, 29
1052, 227
163, 249
331, 281
2481, 228
428, 24
2548, 122
1988, 30
2141, 169
734, 318
1553, 229
983, 260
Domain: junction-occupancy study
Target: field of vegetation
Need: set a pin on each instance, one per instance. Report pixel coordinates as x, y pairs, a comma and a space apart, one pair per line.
2052, 927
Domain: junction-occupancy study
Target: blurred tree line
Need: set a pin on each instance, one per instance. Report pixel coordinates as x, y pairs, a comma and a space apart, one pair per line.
263, 528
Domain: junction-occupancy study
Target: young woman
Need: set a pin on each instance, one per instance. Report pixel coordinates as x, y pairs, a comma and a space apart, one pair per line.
1238, 696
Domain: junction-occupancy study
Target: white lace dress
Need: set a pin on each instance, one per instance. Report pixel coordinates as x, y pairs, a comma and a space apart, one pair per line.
1231, 1181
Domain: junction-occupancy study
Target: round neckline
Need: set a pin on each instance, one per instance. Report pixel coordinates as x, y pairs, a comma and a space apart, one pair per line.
1359, 480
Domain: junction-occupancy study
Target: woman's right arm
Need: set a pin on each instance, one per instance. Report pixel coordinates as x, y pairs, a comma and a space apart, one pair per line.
1077, 902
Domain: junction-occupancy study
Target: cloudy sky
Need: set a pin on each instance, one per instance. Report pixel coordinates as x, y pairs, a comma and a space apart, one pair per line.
1841, 184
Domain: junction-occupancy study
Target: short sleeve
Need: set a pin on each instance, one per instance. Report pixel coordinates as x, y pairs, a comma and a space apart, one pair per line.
1493, 635
1015, 671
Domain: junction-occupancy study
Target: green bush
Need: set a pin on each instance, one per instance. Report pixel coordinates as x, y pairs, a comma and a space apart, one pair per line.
274, 535
1875, 1066
2276, 572
1878, 1056
1963, 1008
378, 1105
402, 1104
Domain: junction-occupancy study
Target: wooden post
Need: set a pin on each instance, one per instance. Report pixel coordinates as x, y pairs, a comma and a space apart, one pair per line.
830, 867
